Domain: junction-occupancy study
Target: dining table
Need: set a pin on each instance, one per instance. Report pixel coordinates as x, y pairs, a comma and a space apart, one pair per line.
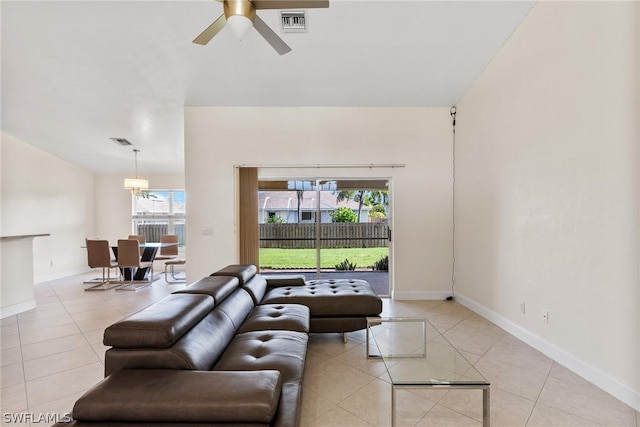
149, 252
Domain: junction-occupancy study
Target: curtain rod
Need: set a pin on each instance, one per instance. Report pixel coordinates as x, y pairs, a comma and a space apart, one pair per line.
323, 166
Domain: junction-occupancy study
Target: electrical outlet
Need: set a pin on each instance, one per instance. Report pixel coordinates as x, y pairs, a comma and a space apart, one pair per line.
545, 316
523, 308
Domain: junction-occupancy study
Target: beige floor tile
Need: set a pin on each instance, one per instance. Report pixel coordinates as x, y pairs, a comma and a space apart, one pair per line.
446, 316
99, 323
572, 394
41, 313
49, 300
445, 417
546, 416
70, 382
10, 356
10, 320
35, 325
11, 374
59, 362
474, 336
9, 329
508, 378
465, 402
53, 346
313, 405
14, 398
357, 358
514, 352
372, 403
98, 311
407, 308
100, 350
10, 341
335, 381
508, 409
94, 337
13, 420
46, 334
337, 417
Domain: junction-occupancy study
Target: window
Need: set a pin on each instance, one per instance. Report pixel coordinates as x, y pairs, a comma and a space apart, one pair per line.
158, 212
306, 216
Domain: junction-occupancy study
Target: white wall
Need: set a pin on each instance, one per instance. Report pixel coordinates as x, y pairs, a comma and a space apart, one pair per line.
217, 139
547, 189
44, 194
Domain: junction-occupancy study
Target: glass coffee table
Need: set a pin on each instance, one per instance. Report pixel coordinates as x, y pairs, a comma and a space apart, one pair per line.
416, 355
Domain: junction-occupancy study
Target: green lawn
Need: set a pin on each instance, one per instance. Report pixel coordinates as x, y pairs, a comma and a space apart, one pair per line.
306, 258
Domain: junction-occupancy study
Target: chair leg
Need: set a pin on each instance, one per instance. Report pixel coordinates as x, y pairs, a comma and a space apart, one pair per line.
171, 267
105, 284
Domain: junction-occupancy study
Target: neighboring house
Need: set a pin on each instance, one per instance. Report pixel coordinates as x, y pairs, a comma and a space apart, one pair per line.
285, 205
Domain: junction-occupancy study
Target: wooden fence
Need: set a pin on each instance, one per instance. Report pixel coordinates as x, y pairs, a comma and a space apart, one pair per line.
154, 231
332, 235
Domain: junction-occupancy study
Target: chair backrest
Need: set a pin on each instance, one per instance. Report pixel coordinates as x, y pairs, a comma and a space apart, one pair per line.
98, 253
128, 253
171, 249
141, 239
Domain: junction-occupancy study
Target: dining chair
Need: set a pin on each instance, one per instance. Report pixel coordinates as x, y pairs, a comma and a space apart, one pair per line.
168, 247
129, 258
99, 256
169, 270
141, 239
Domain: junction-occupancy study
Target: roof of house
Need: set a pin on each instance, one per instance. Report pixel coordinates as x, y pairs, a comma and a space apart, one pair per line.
284, 200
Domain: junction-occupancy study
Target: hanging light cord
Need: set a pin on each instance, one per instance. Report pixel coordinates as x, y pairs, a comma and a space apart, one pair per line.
453, 112
136, 151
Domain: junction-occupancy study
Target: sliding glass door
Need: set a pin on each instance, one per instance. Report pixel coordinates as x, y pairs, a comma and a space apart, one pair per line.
326, 229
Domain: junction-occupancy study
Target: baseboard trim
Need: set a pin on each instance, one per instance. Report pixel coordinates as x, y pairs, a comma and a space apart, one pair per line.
17, 308
61, 275
419, 295
612, 386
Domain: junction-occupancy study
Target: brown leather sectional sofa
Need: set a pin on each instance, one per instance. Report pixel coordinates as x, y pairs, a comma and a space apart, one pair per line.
228, 350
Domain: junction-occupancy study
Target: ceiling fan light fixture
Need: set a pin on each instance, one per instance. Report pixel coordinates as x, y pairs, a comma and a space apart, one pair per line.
240, 26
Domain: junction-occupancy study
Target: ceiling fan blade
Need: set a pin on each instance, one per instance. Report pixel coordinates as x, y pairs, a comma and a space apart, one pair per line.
290, 4
213, 29
270, 36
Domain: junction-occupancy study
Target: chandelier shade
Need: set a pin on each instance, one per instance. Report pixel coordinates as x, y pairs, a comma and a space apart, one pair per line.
136, 185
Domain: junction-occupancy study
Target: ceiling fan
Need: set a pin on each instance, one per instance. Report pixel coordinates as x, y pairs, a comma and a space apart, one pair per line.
241, 16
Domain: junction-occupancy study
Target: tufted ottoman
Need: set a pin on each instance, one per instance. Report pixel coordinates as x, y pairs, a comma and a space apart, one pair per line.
335, 305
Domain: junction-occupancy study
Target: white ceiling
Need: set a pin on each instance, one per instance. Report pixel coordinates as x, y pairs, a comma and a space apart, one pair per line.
76, 73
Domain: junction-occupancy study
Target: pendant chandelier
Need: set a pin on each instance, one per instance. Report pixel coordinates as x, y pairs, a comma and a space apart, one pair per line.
136, 185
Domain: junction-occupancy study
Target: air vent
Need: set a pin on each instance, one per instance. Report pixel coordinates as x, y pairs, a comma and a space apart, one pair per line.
121, 141
293, 21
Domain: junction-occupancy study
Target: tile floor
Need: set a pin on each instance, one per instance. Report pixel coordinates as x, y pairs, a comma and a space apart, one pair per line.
52, 354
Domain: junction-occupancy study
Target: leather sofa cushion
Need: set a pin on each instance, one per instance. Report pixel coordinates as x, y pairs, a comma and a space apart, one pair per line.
237, 307
276, 280
256, 287
161, 324
243, 272
330, 298
219, 287
284, 351
166, 395
290, 317
198, 349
